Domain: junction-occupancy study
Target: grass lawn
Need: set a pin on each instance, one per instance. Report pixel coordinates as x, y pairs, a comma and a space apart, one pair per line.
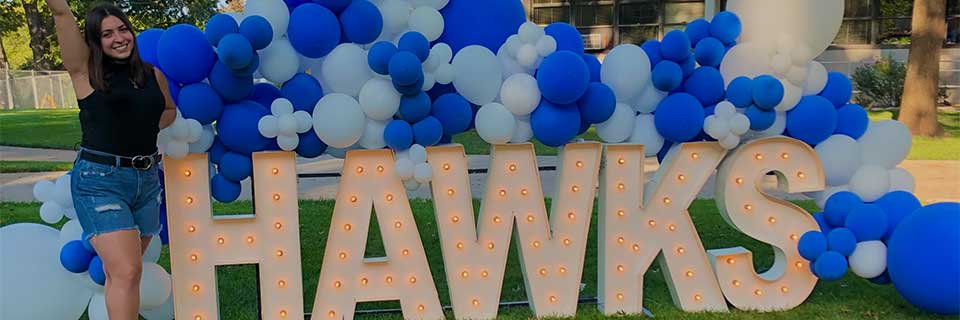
33, 166
944, 148
849, 298
55, 129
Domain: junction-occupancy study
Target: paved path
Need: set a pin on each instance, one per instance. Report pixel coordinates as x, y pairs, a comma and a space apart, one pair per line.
33, 154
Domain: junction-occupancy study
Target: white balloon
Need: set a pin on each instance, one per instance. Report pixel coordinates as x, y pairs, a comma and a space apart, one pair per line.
405, 168
495, 123
816, 79
791, 96
523, 131
902, 180
520, 94
205, 142
279, 61
477, 74
780, 64
288, 142
779, 125
423, 173
51, 212
152, 255
437, 4
716, 127
71, 213
440, 54
180, 130
527, 56
546, 45
97, 310
287, 124
618, 127
428, 21
43, 190
395, 15
512, 45
417, 154
155, 285
340, 153
801, 55
744, 60
886, 143
345, 69
645, 133
372, 137
785, 44
626, 70
429, 80
730, 141
275, 11
739, 124
870, 182
379, 99
177, 149
304, 121
840, 157
821, 197
797, 74
163, 312
444, 74
63, 196
411, 185
510, 66
196, 129
725, 110
648, 99
869, 259
813, 23
69, 232
281, 106
530, 32
34, 283
338, 120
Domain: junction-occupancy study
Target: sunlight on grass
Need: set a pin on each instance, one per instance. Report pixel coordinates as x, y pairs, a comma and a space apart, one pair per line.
55, 129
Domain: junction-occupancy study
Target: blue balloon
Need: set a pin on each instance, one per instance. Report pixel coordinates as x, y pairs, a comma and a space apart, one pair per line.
415, 43
238, 127
454, 113
881, 279
822, 222
200, 102
310, 145
705, 84
923, 258
667, 76
293, 4
897, 205
399, 135
725, 26
767, 92
839, 89
593, 64
95, 271
314, 31
688, 66
662, 154
812, 244
264, 93
652, 48
428, 131
567, 36
379, 57
555, 125
223, 189
250, 68
303, 90
258, 30
499, 19
235, 51
830, 266
147, 45
405, 68
709, 52
838, 206
337, 6
867, 221
842, 240
697, 30
852, 120
675, 46
361, 22
235, 166
184, 54
229, 85
217, 150
740, 92
219, 26
74, 257
584, 126
597, 104
409, 89
760, 119
813, 120
446, 139
415, 108
679, 117
563, 77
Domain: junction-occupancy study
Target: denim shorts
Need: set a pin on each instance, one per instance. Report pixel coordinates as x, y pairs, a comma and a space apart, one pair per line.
110, 198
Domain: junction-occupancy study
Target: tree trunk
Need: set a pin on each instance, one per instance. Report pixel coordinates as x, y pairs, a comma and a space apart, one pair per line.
918, 110
39, 36
4, 64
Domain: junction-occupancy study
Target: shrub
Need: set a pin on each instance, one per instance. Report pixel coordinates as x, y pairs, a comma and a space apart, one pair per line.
880, 84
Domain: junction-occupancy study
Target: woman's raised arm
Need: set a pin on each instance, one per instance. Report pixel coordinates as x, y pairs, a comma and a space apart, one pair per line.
73, 49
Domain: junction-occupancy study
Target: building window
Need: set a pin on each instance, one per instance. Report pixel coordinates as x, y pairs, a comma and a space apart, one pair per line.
887, 22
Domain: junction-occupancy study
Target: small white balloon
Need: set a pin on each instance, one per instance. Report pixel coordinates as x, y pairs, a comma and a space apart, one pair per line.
886, 143
279, 61
43, 190
379, 99
530, 32
495, 123
205, 142
648, 99
288, 142
546, 45
725, 110
739, 124
70, 213
797, 75
155, 285
527, 56
152, 254
523, 132
373, 134
902, 180
97, 309
417, 154
411, 185
70, 231
51, 212
163, 312
869, 259
287, 124
63, 195
423, 173
716, 127
780, 64
338, 120
619, 126
512, 45
269, 126
304, 121
395, 15
195, 130
645, 133
281, 106
345, 70
870, 182
730, 141
840, 157
444, 74
177, 150
427, 21
440, 54
405, 168
816, 79
626, 70
520, 94
477, 74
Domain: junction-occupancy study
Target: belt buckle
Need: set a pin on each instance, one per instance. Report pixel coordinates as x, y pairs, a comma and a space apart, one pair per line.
142, 162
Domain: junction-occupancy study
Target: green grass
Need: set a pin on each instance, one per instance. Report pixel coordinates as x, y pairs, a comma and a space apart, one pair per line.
55, 129
943, 148
33, 166
848, 298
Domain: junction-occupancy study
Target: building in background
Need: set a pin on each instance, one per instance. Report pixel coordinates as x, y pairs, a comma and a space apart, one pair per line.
870, 29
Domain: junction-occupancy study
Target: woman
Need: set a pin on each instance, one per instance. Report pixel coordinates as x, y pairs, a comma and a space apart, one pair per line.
124, 103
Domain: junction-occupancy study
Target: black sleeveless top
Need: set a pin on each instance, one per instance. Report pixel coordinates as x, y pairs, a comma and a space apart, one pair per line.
124, 120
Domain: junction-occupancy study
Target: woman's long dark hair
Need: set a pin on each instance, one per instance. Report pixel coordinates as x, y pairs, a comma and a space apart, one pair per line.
139, 70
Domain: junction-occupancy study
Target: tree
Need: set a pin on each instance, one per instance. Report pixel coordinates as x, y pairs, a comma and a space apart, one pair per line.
918, 110
39, 24
234, 6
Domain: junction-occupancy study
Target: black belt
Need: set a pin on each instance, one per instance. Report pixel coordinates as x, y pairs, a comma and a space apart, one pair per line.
137, 162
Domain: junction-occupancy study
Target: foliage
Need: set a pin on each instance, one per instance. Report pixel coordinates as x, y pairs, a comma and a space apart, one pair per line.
33, 166
880, 84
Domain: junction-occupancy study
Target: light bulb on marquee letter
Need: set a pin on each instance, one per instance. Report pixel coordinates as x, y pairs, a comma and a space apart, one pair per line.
654, 221
344, 255
246, 239
787, 283
545, 244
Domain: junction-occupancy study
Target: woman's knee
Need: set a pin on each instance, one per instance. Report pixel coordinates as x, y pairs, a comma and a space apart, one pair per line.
126, 270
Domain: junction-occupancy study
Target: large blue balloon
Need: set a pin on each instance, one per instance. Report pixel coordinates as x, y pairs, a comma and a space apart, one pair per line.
867, 221
838, 206
842, 240
293, 4
337, 6
74, 257
258, 30
409, 89
238, 127
822, 222
563, 77
95, 270
379, 57
235, 51
310, 145
415, 108
740, 92
679, 117
593, 64
454, 113
499, 19
200, 102
760, 119
923, 258
705, 84
812, 244
675, 46
405, 68
839, 89
184, 54
264, 93
398, 134
217, 150
725, 26
314, 31
688, 66
897, 205
250, 68
652, 48
232, 87
709, 52
303, 90
147, 45
813, 120
667, 76
852, 120
223, 189
555, 125
697, 30
767, 92
361, 22
830, 266
428, 131
235, 166
415, 43
567, 36
597, 104
219, 26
